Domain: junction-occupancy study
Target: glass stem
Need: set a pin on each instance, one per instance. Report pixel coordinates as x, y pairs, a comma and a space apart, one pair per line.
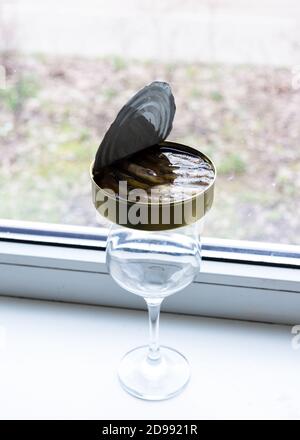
154, 311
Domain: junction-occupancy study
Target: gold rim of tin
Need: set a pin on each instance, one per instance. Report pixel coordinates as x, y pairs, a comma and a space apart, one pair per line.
198, 204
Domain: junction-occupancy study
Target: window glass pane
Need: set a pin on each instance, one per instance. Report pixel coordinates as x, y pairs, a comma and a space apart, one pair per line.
234, 66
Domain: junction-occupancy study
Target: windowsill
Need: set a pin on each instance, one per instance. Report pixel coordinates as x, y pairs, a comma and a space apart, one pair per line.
222, 289
59, 361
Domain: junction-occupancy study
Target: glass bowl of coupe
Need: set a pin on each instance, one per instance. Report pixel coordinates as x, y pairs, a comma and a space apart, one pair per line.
154, 193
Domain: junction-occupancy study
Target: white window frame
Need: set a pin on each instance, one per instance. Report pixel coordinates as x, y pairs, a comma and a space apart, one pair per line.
238, 279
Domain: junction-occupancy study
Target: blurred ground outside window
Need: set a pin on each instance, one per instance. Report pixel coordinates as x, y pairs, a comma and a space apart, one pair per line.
234, 66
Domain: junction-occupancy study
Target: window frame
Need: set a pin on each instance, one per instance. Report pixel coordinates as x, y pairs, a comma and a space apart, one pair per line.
238, 279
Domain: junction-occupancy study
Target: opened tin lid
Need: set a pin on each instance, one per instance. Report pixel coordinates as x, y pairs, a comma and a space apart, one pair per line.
145, 120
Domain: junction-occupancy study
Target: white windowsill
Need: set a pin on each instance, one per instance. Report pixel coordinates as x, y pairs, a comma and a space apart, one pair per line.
60, 360
238, 280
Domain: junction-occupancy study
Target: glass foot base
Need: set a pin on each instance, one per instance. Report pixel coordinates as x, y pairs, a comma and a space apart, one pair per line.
154, 380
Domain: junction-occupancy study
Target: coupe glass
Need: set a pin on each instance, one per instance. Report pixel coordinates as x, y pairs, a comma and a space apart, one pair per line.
154, 265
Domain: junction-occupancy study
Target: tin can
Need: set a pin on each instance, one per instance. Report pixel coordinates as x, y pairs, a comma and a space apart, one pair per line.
155, 216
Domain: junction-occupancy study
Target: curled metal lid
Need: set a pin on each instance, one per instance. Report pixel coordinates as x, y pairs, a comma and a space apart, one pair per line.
145, 120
